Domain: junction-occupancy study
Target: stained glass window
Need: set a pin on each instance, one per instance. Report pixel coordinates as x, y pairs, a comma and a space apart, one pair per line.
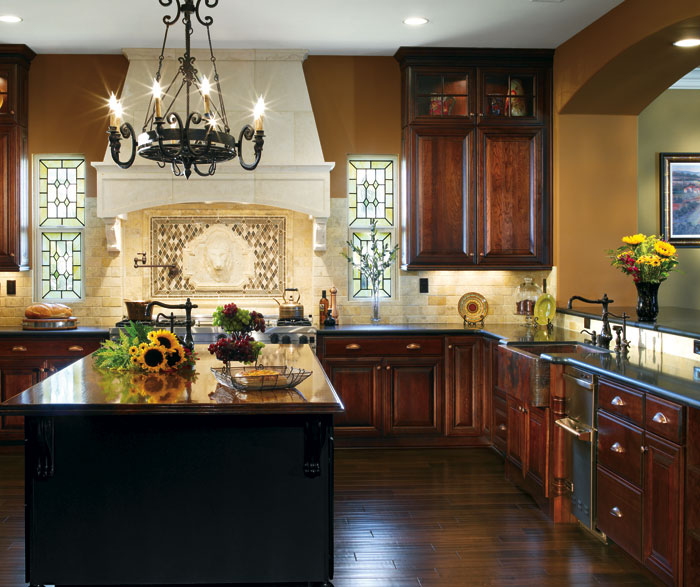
371, 189
60, 265
60, 219
361, 287
61, 192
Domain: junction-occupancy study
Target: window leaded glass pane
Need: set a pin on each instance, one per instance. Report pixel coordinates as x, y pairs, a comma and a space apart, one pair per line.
371, 191
361, 287
60, 265
62, 192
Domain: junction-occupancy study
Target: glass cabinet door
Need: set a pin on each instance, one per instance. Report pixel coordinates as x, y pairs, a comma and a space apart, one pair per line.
441, 95
4, 98
508, 96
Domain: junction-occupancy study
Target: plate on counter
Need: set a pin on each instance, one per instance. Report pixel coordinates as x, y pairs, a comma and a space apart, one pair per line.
545, 308
473, 307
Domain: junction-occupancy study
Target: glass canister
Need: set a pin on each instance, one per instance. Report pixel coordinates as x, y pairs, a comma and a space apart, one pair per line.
525, 297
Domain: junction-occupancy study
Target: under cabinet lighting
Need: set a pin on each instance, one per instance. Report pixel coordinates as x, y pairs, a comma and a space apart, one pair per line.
415, 20
687, 43
10, 18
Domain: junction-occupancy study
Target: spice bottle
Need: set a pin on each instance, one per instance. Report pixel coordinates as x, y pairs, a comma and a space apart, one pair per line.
334, 305
323, 306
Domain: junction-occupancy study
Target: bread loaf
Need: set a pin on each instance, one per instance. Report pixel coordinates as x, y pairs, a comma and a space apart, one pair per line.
39, 311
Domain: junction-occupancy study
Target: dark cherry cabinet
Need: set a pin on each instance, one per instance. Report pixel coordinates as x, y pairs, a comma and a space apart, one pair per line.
465, 376
15, 377
476, 149
413, 388
14, 164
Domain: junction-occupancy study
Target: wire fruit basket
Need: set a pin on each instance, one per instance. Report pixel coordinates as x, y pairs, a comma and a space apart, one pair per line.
259, 377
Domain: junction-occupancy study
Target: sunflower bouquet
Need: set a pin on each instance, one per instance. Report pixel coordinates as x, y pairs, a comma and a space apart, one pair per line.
648, 259
142, 348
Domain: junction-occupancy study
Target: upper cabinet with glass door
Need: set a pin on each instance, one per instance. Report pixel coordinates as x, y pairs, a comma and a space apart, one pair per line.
510, 96
440, 94
14, 65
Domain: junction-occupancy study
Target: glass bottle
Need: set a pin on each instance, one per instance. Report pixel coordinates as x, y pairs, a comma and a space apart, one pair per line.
525, 297
323, 306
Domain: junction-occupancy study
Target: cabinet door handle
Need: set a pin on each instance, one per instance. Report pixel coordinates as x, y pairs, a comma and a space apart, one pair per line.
76, 348
379, 367
659, 418
449, 346
19, 349
645, 448
388, 367
502, 427
618, 448
413, 346
52, 369
617, 401
615, 512
352, 347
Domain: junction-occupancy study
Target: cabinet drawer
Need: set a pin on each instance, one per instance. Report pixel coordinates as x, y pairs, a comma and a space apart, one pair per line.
620, 512
48, 347
621, 401
382, 346
664, 418
620, 448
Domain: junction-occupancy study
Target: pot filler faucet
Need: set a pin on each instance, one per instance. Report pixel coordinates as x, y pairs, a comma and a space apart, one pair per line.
603, 339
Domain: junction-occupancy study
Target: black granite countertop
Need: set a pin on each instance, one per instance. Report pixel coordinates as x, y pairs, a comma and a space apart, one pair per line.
6, 331
669, 376
680, 321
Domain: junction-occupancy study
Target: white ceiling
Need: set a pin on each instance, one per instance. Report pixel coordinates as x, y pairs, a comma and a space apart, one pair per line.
357, 27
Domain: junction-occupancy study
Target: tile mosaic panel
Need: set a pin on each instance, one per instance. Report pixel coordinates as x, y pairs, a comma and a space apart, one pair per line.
265, 235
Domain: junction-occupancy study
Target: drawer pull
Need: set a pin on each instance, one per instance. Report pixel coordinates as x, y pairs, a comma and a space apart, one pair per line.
19, 349
572, 427
615, 512
352, 347
76, 348
502, 427
379, 367
617, 401
659, 418
618, 448
413, 346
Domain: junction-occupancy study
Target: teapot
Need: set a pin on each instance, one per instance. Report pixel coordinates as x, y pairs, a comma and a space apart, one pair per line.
290, 309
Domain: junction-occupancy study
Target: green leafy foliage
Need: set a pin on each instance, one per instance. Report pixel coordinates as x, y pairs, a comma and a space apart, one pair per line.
373, 261
115, 354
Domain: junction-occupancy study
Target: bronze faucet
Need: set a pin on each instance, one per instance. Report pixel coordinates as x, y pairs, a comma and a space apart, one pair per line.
187, 307
605, 336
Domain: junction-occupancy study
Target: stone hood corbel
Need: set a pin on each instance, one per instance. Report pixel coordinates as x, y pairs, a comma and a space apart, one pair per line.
292, 173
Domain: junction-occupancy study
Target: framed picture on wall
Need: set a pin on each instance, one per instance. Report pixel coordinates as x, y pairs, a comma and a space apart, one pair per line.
680, 198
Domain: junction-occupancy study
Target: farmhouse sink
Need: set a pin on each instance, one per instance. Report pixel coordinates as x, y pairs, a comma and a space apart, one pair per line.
525, 374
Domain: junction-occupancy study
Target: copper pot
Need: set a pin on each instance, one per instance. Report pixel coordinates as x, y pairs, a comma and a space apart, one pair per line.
136, 310
290, 308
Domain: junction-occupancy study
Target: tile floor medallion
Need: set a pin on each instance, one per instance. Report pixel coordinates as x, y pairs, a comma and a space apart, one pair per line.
251, 249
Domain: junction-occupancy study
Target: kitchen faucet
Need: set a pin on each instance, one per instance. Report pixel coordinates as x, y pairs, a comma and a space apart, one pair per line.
187, 307
603, 339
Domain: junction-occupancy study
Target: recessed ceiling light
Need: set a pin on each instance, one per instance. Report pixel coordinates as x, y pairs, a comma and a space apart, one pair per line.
415, 20
10, 18
687, 43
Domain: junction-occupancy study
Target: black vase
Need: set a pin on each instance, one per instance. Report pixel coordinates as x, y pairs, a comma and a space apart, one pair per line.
647, 301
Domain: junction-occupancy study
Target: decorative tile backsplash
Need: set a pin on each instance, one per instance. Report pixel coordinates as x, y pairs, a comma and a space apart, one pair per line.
215, 256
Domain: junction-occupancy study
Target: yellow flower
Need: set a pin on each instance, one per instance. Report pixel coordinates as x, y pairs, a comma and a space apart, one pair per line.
164, 338
134, 350
176, 356
143, 346
665, 249
635, 239
153, 358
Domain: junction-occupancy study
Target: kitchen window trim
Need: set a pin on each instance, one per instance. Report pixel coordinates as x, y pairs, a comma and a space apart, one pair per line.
394, 298
38, 230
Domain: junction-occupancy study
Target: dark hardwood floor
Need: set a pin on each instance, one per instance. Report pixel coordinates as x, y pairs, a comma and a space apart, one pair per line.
415, 518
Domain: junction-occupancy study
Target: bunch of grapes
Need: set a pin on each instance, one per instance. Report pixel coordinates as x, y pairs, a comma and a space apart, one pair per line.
234, 319
240, 349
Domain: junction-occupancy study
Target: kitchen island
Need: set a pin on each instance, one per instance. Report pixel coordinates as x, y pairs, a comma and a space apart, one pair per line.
151, 479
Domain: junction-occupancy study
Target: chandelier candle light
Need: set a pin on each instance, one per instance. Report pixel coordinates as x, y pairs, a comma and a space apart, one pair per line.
165, 138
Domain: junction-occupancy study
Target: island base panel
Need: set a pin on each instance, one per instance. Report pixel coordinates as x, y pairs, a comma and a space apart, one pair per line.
143, 499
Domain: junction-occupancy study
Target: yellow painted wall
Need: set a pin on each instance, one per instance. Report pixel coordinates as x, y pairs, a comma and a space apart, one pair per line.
670, 124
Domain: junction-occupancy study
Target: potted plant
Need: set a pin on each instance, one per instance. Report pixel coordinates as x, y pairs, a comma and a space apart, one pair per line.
649, 260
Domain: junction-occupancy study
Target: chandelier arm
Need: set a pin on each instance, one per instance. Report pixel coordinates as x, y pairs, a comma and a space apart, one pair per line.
222, 107
196, 118
249, 134
210, 171
207, 20
172, 117
167, 19
115, 136
177, 172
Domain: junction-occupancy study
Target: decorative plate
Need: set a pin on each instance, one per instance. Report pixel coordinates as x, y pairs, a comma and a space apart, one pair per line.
247, 379
473, 307
545, 308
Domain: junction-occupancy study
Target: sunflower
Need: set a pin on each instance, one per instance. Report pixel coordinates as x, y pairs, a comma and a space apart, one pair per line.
664, 249
134, 350
635, 239
153, 358
163, 338
176, 356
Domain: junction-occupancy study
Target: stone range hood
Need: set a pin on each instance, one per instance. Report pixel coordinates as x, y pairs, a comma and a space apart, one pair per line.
292, 173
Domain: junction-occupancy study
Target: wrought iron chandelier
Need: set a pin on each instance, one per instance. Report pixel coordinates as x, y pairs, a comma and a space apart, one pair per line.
165, 138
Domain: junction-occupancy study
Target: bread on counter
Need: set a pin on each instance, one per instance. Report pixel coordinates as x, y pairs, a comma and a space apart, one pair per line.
43, 311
